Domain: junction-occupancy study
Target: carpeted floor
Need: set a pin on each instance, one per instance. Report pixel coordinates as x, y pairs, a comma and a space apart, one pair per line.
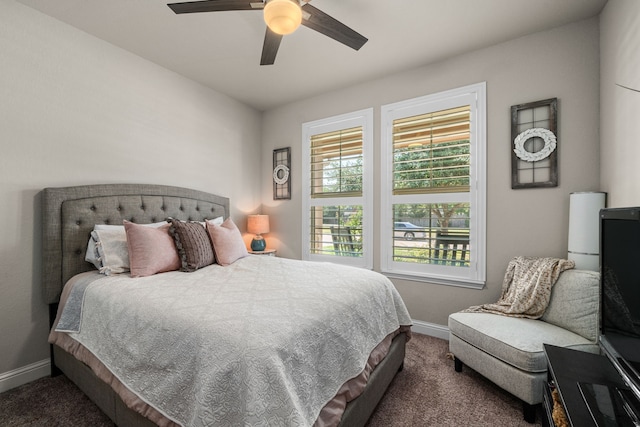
428, 392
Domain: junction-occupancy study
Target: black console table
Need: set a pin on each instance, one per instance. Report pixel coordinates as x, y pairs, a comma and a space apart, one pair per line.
566, 369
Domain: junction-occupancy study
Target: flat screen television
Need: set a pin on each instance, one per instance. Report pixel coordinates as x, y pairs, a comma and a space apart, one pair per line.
620, 292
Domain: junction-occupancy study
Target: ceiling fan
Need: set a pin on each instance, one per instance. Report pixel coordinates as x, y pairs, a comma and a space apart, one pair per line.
282, 17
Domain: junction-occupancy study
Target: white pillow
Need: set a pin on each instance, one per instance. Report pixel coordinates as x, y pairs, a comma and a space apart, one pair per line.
111, 250
92, 255
215, 221
107, 248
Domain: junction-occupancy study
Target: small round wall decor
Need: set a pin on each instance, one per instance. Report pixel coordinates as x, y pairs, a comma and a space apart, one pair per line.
549, 144
280, 174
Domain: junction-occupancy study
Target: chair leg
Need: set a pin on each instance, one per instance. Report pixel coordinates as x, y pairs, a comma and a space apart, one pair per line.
529, 412
457, 364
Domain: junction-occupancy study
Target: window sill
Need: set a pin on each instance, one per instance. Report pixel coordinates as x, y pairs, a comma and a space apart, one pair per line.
461, 283
361, 262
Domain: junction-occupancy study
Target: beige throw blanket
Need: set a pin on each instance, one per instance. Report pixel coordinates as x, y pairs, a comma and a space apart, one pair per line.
526, 289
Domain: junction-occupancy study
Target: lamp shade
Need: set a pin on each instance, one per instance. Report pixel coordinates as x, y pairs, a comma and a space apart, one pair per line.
584, 232
258, 224
282, 16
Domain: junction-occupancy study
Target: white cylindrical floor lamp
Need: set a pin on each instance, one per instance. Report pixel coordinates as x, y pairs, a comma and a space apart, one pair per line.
584, 228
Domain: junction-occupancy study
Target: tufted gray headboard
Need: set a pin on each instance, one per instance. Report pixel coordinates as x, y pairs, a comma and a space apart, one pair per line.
69, 214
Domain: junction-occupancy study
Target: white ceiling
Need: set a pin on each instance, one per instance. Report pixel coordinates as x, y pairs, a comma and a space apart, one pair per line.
222, 49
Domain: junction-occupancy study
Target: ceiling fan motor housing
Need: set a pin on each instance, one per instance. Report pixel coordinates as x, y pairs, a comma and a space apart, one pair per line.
282, 16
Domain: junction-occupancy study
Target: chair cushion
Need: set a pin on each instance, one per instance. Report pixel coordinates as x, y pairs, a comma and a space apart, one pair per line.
516, 341
525, 385
575, 303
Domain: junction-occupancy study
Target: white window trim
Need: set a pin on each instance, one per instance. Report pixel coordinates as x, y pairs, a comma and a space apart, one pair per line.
362, 118
475, 275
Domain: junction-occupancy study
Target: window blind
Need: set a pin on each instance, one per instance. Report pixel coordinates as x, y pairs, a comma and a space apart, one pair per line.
336, 163
431, 152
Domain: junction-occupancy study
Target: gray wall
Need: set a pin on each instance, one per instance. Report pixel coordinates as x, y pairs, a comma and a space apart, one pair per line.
76, 110
620, 108
562, 63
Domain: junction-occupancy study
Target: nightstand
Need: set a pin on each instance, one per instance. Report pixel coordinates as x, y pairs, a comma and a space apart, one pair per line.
268, 252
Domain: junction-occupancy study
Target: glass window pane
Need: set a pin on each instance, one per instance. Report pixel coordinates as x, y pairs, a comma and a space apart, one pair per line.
336, 163
431, 152
336, 230
432, 233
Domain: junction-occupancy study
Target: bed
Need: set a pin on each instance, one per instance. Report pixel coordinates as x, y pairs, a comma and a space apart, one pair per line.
69, 216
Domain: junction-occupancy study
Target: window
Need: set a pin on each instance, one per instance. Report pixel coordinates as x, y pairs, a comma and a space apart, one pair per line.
337, 206
433, 187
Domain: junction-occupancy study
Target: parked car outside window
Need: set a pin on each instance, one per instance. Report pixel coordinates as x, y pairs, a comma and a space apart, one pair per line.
408, 230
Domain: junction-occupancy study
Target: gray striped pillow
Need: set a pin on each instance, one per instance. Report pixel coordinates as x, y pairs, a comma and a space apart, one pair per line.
193, 244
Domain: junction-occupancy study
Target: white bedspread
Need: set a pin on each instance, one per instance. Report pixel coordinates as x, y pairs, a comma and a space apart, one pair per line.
265, 341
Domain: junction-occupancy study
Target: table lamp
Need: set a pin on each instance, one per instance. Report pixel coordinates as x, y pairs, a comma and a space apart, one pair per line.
258, 225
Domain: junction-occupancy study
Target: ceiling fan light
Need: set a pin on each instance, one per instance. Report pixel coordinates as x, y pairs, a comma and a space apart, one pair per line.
282, 16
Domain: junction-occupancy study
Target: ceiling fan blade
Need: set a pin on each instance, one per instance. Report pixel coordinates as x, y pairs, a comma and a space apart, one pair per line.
270, 47
331, 27
215, 6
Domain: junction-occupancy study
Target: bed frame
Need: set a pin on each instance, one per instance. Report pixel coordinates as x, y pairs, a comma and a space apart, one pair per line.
68, 217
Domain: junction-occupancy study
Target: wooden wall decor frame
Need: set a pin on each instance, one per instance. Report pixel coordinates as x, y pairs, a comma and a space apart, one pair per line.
282, 174
534, 144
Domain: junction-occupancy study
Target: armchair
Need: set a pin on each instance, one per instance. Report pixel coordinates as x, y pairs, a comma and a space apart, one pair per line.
509, 350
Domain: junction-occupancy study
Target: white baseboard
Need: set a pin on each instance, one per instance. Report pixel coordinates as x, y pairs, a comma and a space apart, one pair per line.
26, 374
431, 329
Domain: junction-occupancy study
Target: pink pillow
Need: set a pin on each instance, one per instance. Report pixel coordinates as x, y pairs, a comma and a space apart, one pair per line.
227, 242
151, 250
